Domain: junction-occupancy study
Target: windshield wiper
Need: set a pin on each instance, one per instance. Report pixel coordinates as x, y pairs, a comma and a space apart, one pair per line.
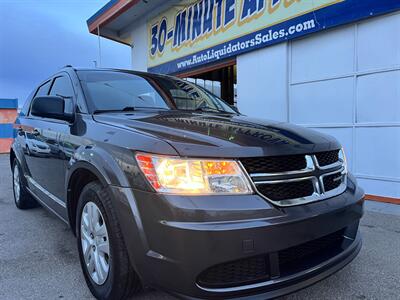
211, 109
125, 109
152, 107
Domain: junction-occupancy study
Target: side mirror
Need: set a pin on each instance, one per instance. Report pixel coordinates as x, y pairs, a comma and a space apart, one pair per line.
50, 107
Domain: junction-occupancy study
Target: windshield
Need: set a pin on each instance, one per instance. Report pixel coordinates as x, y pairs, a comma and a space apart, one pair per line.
119, 91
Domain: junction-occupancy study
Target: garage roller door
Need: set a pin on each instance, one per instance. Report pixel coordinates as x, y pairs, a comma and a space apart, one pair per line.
346, 83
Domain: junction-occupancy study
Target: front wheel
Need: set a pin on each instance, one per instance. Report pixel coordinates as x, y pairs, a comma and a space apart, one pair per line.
22, 198
102, 252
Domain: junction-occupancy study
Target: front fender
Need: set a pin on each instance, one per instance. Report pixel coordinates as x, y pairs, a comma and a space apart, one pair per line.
117, 166
99, 162
115, 176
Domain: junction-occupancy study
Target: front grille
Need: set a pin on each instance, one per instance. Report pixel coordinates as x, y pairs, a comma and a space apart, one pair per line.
287, 190
309, 254
327, 158
240, 272
298, 179
274, 164
333, 181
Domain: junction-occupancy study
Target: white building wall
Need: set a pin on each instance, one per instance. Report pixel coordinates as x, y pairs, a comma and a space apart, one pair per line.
262, 83
344, 82
139, 46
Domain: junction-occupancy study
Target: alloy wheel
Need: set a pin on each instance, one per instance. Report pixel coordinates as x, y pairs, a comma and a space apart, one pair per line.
16, 183
95, 243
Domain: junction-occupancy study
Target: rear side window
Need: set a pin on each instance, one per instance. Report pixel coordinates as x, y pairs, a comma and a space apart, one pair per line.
43, 89
62, 87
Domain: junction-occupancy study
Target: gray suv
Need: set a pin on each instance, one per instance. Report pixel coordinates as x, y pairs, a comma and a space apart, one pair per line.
166, 185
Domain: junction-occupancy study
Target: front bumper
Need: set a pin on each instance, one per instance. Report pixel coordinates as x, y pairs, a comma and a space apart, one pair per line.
289, 284
173, 240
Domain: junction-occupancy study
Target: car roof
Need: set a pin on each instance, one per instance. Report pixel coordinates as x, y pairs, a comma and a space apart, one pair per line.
148, 74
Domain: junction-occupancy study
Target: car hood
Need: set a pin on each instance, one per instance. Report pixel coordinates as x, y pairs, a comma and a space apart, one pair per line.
219, 135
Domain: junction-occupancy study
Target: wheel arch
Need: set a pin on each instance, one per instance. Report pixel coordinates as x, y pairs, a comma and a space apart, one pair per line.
90, 163
82, 174
12, 157
17, 153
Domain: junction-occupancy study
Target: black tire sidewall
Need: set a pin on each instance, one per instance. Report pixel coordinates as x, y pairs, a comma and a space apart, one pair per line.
25, 201
91, 194
17, 202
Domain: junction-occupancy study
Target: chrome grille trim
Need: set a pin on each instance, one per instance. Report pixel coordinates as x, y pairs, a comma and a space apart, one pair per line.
343, 173
313, 172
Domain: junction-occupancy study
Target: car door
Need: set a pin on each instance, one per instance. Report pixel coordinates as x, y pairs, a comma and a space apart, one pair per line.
45, 159
31, 132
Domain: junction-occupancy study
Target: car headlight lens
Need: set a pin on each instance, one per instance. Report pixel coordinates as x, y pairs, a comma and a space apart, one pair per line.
175, 175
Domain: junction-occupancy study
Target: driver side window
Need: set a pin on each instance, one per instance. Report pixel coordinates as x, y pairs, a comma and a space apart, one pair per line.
43, 89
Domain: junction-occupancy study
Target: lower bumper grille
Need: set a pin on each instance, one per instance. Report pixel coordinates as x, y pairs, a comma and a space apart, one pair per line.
309, 254
257, 268
240, 272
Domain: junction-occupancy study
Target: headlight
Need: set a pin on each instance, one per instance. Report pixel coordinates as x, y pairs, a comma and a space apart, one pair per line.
175, 175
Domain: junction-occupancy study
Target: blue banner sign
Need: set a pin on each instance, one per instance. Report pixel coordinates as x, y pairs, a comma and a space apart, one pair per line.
198, 33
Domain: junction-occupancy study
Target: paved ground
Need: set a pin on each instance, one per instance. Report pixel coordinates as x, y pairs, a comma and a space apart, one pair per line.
38, 257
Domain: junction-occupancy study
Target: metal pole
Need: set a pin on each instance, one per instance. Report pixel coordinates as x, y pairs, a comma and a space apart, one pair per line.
98, 37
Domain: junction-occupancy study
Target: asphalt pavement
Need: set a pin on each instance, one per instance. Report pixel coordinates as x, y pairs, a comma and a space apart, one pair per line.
39, 259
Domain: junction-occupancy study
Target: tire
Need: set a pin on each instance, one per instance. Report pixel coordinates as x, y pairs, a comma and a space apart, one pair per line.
22, 198
113, 276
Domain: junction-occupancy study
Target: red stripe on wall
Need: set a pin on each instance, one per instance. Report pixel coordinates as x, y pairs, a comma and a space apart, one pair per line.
8, 116
382, 199
5, 145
